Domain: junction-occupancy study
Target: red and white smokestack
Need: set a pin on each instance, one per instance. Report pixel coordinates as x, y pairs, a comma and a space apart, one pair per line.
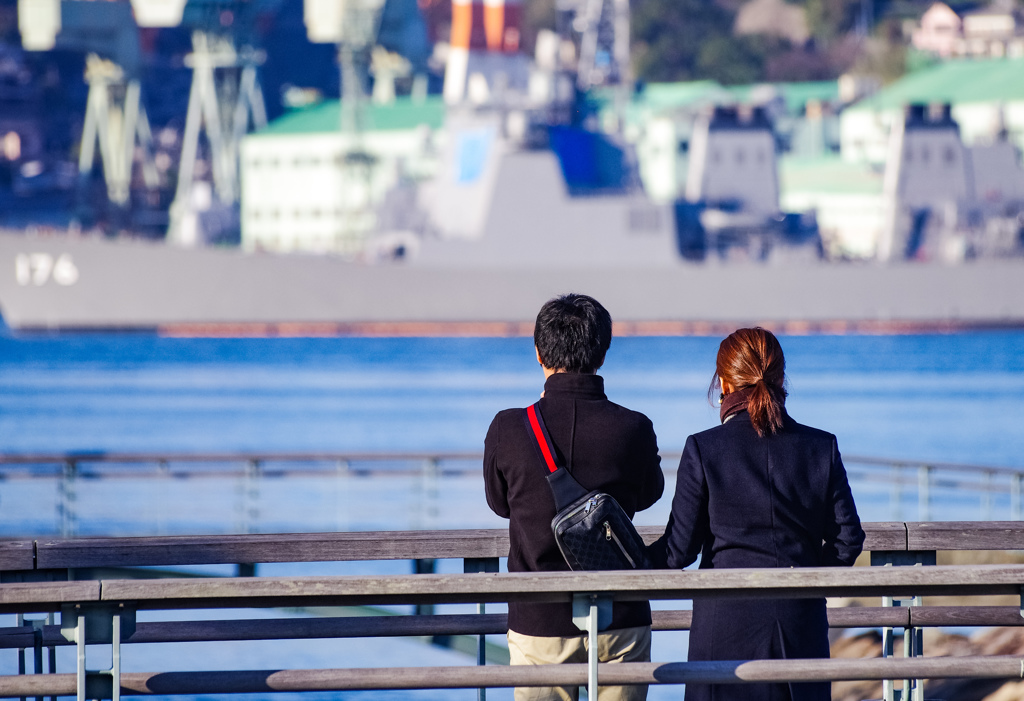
489, 26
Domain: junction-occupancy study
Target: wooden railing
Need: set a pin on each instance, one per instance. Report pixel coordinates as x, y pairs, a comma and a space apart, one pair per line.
35, 577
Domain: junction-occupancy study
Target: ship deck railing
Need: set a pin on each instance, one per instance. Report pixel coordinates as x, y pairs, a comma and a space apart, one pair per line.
908, 488
47, 576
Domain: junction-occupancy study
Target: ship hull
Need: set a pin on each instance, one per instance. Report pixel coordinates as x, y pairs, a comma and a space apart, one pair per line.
83, 283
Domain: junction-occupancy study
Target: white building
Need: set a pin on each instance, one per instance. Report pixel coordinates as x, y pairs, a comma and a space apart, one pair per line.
308, 186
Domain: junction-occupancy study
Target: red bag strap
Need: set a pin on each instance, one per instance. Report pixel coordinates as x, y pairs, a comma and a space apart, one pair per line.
540, 434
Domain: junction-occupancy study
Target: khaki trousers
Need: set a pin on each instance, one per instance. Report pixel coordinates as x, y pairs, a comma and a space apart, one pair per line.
621, 645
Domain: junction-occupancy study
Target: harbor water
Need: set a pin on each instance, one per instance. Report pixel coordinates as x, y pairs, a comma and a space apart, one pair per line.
947, 398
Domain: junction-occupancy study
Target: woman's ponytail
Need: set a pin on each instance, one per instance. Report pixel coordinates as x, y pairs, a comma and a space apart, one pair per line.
765, 408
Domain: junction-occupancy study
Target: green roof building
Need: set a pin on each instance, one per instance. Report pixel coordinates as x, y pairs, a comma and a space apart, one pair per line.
987, 97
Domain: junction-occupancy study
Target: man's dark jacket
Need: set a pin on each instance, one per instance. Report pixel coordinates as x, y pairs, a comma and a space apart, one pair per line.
604, 446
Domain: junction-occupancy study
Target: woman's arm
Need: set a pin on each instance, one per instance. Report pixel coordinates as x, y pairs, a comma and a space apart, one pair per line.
844, 538
688, 522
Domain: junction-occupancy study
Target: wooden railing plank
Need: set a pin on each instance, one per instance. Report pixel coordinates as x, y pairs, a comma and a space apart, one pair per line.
17, 555
281, 547
885, 535
967, 616
556, 586
966, 535
57, 553
46, 596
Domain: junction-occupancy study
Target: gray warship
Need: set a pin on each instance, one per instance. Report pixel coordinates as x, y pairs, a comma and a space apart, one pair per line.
554, 205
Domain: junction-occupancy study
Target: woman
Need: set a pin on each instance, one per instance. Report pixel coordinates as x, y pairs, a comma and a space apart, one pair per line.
760, 490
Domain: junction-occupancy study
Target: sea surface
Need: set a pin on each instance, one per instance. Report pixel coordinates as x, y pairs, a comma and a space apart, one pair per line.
949, 398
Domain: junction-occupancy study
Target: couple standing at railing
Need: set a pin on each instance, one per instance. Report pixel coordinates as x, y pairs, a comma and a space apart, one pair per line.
760, 490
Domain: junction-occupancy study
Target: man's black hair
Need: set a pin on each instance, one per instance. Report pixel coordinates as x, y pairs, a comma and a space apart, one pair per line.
573, 333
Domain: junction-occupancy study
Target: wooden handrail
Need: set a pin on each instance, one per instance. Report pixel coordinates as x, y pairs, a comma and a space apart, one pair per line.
966, 535
63, 553
351, 590
52, 553
17, 555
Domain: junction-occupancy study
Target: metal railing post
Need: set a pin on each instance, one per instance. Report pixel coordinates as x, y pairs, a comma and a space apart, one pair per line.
164, 470
342, 473
248, 493
53, 652
895, 493
79, 632
924, 497
986, 499
913, 637
37, 647
430, 476
21, 651
592, 613
480, 564
97, 623
888, 687
1015, 481
918, 643
66, 498
252, 495
592, 657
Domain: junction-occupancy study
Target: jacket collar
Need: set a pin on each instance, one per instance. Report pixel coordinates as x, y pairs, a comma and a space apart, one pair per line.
571, 384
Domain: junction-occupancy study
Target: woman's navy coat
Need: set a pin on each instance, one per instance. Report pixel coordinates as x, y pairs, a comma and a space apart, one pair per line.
748, 501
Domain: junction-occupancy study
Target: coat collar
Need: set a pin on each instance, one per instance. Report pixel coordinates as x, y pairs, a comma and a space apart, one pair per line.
572, 384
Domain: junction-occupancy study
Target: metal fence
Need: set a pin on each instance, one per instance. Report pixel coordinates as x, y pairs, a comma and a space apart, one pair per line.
267, 492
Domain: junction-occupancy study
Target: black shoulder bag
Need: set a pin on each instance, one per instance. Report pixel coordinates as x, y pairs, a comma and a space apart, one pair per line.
591, 529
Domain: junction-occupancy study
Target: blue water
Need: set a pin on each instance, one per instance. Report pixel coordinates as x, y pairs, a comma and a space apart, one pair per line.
952, 398
941, 397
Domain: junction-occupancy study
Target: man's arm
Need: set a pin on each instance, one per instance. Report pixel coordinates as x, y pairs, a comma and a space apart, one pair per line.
648, 463
495, 486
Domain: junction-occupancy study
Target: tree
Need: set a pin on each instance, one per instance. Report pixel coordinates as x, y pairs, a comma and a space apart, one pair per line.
689, 40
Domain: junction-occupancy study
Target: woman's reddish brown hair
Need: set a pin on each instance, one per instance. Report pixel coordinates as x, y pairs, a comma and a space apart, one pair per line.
753, 358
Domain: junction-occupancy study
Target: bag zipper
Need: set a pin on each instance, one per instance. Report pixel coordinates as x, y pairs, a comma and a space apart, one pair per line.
609, 534
585, 508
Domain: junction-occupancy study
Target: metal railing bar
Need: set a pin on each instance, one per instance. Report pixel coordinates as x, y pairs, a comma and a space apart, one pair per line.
331, 460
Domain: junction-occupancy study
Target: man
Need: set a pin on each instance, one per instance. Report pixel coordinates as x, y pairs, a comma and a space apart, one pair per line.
604, 446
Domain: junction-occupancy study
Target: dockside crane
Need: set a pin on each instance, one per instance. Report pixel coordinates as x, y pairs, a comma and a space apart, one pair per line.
115, 118
225, 99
